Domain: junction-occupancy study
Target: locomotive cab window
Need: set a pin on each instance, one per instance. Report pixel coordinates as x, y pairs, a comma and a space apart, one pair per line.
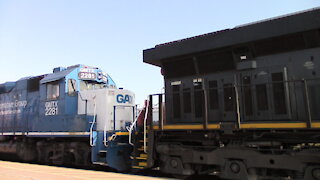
53, 90
72, 87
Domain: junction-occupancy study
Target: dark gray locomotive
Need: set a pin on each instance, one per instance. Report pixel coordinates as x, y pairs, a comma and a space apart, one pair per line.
241, 103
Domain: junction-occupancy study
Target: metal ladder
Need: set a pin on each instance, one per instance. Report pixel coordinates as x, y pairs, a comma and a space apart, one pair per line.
140, 155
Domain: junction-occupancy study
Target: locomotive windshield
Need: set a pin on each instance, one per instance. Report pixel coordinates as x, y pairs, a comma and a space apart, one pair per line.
90, 85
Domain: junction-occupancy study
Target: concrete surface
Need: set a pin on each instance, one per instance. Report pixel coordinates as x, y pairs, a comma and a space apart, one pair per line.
24, 171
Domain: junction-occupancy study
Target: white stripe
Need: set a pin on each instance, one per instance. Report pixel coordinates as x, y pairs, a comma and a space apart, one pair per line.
11, 133
58, 133
7, 133
45, 133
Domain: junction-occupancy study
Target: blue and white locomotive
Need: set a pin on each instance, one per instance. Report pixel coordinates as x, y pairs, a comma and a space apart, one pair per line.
71, 116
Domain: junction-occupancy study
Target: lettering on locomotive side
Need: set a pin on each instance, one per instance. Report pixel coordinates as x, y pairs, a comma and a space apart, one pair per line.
124, 98
13, 104
12, 107
87, 74
88, 70
51, 108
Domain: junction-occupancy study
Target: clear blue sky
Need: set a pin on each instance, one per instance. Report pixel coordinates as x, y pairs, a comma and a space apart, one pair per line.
38, 35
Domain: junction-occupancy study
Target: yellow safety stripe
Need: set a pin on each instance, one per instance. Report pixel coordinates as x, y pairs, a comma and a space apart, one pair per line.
122, 133
196, 126
278, 125
243, 126
273, 125
315, 125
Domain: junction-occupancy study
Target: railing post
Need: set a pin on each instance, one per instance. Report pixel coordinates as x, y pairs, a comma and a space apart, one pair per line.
86, 107
238, 106
160, 112
114, 118
206, 114
132, 126
306, 93
133, 113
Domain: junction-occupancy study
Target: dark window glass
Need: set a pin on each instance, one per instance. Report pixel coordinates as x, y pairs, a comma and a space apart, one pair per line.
33, 84
229, 97
186, 100
213, 95
176, 101
262, 98
278, 93
247, 95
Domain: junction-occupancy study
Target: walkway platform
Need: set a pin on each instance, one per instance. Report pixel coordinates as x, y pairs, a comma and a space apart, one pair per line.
24, 171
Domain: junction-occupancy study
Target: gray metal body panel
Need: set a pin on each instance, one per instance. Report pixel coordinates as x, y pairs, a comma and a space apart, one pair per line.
261, 30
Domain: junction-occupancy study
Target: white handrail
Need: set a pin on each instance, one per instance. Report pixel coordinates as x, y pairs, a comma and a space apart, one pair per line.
93, 122
105, 134
132, 126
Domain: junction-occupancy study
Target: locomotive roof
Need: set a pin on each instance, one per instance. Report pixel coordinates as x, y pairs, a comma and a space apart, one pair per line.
58, 75
288, 24
7, 86
61, 72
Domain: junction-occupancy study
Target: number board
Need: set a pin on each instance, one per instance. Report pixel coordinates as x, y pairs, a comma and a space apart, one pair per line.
87, 75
